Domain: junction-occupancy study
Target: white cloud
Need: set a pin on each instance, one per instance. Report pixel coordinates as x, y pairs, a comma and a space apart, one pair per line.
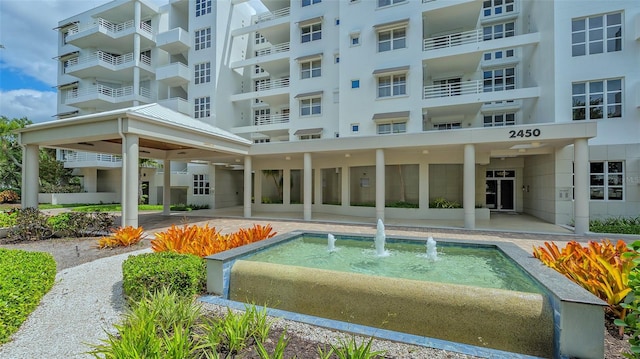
37, 106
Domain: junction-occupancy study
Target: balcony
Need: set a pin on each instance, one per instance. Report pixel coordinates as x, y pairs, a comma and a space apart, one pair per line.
270, 91
118, 35
472, 93
104, 65
174, 41
262, 120
273, 24
101, 96
177, 104
74, 159
273, 59
457, 39
174, 74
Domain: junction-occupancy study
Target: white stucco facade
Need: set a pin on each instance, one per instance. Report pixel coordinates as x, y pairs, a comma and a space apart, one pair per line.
385, 104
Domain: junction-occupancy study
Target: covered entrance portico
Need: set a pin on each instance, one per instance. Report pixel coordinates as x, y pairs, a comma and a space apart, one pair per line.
148, 131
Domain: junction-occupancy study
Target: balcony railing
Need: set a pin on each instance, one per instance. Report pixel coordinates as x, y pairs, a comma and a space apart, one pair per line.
267, 16
102, 57
114, 93
270, 119
109, 27
272, 84
284, 47
451, 40
73, 156
454, 89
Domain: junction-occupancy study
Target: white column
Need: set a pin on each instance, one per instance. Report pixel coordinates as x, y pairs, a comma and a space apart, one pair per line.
136, 52
345, 197
166, 188
30, 176
286, 186
130, 155
247, 187
306, 201
423, 186
380, 184
469, 186
581, 185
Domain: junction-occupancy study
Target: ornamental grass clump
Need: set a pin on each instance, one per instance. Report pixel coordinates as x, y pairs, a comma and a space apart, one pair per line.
601, 268
122, 237
205, 241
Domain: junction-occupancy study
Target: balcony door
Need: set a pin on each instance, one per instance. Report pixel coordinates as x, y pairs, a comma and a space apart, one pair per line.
449, 87
500, 190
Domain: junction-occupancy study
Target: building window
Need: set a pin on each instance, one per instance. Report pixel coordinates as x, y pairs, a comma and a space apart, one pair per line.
355, 84
499, 55
311, 32
393, 85
203, 39
497, 7
336, 59
499, 119
606, 180
257, 70
202, 107
200, 185
259, 39
447, 126
314, 136
202, 73
383, 3
262, 140
392, 127
310, 2
597, 99
499, 79
355, 127
354, 39
498, 31
596, 34
311, 106
337, 21
310, 69
261, 116
260, 85
392, 39
203, 7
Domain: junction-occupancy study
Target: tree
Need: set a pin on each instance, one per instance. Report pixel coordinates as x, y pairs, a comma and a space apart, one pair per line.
11, 152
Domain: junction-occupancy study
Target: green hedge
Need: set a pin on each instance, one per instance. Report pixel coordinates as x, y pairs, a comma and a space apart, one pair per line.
148, 273
24, 278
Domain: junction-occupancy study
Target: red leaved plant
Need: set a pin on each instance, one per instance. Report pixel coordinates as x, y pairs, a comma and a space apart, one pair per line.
122, 237
599, 268
205, 241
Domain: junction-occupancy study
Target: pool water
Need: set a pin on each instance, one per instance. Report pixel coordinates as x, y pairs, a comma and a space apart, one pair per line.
480, 266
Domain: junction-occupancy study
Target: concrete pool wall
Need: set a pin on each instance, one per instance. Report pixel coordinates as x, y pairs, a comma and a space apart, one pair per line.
566, 322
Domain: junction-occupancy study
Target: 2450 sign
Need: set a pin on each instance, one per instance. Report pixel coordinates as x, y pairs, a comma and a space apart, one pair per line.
524, 133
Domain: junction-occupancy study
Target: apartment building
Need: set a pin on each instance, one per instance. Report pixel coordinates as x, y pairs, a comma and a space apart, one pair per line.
374, 108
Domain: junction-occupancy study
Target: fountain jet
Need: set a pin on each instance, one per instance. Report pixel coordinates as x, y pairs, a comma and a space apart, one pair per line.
380, 239
331, 241
432, 253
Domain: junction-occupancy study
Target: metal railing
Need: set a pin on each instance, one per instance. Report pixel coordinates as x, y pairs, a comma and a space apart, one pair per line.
284, 47
108, 26
272, 84
453, 89
145, 59
101, 57
270, 119
451, 40
73, 156
103, 90
267, 16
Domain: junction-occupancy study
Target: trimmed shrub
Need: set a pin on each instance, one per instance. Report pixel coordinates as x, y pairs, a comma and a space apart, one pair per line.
81, 224
31, 225
9, 196
24, 278
8, 219
144, 274
619, 225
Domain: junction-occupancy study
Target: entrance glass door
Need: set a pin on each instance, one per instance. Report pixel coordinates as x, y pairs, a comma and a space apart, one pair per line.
500, 190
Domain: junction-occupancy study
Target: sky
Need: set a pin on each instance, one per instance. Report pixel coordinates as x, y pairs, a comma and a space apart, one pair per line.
27, 64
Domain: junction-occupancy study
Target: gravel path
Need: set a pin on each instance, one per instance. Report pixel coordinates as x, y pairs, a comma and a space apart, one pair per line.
84, 301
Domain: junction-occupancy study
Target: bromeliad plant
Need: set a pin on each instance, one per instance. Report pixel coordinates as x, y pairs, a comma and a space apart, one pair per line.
122, 237
600, 268
205, 241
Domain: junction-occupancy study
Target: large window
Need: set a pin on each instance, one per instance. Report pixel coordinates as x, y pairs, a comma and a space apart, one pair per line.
497, 7
259, 39
498, 31
382, 3
392, 127
596, 34
310, 106
392, 85
310, 2
309, 69
499, 119
202, 73
596, 100
200, 185
203, 39
311, 32
392, 39
499, 79
202, 107
606, 180
203, 7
